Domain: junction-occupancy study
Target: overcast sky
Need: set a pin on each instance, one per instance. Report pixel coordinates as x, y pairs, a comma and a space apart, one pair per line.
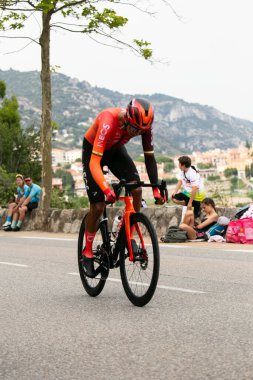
210, 54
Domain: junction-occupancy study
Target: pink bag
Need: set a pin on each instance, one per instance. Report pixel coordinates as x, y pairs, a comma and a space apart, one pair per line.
240, 231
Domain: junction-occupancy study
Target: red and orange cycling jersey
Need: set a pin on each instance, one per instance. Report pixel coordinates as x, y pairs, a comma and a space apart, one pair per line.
107, 133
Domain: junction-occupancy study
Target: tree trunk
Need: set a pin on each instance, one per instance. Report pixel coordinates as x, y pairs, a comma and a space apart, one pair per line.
46, 127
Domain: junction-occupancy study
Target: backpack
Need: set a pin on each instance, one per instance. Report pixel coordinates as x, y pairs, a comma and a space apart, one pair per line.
240, 231
174, 234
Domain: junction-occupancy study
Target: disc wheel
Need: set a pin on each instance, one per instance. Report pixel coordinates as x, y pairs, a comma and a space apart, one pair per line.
94, 286
139, 277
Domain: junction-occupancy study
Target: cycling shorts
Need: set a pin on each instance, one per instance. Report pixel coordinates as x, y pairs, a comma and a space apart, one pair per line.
119, 163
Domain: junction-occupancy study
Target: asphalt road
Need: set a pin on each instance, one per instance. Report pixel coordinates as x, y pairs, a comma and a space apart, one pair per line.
198, 325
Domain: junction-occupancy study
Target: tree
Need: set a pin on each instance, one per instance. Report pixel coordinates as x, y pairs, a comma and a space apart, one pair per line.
2, 89
247, 144
229, 172
19, 149
7, 186
202, 165
67, 179
92, 18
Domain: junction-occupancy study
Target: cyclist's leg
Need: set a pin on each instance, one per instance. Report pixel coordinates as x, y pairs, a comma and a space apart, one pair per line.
97, 204
122, 166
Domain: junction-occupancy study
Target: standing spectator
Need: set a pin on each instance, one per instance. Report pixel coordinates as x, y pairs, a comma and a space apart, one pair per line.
22, 192
193, 188
30, 203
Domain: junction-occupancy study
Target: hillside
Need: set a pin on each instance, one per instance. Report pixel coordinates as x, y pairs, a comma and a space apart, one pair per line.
179, 127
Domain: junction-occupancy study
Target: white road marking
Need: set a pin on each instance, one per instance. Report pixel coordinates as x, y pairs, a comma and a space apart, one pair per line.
238, 250
14, 264
45, 238
174, 245
69, 239
158, 286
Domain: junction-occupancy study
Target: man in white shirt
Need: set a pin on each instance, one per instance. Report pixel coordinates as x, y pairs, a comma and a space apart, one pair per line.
193, 188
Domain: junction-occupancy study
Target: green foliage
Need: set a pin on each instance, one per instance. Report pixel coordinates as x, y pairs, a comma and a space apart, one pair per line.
67, 181
171, 181
7, 187
237, 183
229, 172
19, 149
249, 171
59, 200
250, 195
143, 48
14, 19
164, 159
139, 158
202, 165
213, 178
90, 19
107, 17
247, 144
2, 89
240, 204
168, 167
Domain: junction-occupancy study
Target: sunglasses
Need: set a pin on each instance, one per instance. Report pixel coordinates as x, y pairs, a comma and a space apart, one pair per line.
133, 129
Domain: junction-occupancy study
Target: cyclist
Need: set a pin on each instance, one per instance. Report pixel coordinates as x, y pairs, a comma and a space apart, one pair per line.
104, 145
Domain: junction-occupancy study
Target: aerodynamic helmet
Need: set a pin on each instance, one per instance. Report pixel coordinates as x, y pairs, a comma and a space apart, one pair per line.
140, 114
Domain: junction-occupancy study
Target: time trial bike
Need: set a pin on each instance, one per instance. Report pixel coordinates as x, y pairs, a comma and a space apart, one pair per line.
135, 249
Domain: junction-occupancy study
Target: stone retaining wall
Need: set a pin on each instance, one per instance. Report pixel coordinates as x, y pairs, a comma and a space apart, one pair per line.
68, 221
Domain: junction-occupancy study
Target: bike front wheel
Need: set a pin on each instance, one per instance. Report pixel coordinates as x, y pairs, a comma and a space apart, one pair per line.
93, 286
140, 277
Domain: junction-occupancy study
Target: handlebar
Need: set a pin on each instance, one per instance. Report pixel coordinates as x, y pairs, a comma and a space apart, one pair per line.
117, 187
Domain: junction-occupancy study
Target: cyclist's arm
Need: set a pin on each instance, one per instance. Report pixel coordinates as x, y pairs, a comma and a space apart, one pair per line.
151, 165
150, 161
103, 133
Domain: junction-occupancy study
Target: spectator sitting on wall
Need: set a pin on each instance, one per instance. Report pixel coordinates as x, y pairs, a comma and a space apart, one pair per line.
30, 203
22, 192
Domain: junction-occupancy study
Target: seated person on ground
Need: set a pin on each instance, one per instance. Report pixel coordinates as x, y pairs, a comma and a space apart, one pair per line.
31, 202
197, 231
22, 192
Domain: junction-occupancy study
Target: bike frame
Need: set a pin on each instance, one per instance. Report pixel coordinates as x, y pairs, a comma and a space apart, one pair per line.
128, 211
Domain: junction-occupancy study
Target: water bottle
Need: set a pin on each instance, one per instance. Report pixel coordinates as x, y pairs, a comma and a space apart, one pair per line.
116, 225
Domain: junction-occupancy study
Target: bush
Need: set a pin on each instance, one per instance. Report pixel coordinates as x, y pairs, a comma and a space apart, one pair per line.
213, 178
171, 181
58, 200
7, 187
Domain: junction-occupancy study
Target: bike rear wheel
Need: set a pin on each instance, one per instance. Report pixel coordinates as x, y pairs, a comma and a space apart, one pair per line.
140, 277
93, 286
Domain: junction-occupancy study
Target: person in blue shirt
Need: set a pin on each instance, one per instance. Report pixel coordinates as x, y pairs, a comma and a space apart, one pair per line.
31, 202
22, 192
